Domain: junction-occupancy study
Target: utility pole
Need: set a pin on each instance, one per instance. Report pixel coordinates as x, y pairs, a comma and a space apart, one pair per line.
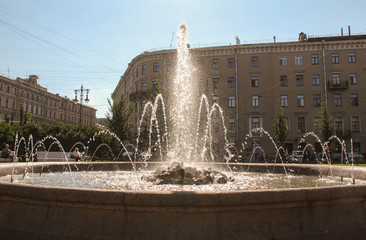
81, 92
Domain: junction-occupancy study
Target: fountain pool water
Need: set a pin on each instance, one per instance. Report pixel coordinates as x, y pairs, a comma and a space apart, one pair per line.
95, 201
125, 180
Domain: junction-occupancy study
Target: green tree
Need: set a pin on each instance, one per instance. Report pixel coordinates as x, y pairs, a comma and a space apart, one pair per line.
119, 118
7, 135
326, 126
22, 115
280, 126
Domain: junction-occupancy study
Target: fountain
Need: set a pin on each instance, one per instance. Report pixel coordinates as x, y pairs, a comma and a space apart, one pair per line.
191, 208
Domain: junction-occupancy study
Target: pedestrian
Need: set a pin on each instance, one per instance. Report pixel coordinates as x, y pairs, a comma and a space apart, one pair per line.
257, 150
6, 152
77, 155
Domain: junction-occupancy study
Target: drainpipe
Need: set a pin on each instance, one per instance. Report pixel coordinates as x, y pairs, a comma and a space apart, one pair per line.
324, 75
236, 94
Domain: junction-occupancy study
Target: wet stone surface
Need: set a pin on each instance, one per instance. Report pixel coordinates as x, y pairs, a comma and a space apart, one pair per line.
176, 173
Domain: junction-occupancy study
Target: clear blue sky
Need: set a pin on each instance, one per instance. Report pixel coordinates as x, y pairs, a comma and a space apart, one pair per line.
72, 42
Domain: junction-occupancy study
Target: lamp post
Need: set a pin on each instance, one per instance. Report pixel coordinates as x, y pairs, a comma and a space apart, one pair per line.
81, 92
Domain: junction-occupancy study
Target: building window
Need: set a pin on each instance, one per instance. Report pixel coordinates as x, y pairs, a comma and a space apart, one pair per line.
155, 85
215, 83
231, 82
316, 80
316, 124
143, 69
155, 67
298, 60
336, 79
301, 124
6, 103
216, 99
299, 80
13, 104
337, 100
283, 80
255, 123
352, 57
353, 78
254, 61
355, 123
230, 62
231, 125
314, 59
8, 89
169, 66
14, 91
143, 103
284, 101
316, 100
338, 125
143, 87
255, 81
200, 64
1, 86
231, 101
215, 63
335, 58
354, 99
300, 101
255, 101
283, 61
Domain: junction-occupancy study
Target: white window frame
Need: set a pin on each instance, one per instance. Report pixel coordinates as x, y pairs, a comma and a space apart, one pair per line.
353, 78
283, 61
284, 101
300, 100
257, 134
359, 123
255, 101
298, 60
231, 101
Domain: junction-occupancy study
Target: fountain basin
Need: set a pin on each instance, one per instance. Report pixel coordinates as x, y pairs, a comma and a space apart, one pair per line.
36, 212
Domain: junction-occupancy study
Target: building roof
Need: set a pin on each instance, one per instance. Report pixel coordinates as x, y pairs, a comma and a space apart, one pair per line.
336, 38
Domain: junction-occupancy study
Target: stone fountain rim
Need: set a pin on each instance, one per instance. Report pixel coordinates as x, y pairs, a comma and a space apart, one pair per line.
180, 199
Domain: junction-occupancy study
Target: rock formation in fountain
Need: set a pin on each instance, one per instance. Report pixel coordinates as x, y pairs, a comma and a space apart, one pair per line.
176, 173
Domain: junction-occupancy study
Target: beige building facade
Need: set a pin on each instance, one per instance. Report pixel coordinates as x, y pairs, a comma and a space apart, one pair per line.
39, 104
251, 81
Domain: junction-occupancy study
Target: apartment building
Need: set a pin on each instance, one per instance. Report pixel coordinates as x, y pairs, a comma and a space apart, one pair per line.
39, 105
251, 81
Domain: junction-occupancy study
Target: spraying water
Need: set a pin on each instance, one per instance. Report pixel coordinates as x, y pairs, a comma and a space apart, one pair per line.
182, 100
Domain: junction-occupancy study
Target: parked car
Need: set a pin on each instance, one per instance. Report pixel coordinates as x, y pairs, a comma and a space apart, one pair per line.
356, 157
241, 158
295, 156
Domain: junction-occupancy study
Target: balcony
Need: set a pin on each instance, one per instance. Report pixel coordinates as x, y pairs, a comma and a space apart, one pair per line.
135, 95
337, 86
343, 133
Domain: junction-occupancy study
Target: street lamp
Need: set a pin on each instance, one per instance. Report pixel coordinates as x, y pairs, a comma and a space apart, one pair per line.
81, 92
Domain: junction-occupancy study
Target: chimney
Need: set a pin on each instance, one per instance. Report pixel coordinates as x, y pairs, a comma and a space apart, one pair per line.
342, 32
349, 30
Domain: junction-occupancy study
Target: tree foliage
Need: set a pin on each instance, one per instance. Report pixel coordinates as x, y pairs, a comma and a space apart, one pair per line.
67, 135
280, 126
119, 119
326, 125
